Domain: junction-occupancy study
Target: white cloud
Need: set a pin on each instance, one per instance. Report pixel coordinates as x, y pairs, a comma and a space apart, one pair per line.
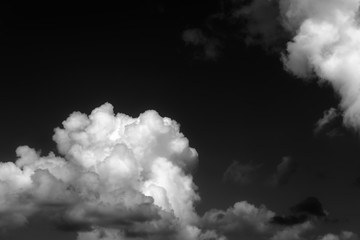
116, 172
327, 42
123, 178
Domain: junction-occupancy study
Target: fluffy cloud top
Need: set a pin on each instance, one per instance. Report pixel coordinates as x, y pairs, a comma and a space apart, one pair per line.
124, 178
130, 174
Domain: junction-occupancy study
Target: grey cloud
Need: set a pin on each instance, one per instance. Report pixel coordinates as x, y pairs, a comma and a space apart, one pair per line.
306, 210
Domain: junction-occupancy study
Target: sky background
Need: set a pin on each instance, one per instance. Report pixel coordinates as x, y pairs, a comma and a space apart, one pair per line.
227, 89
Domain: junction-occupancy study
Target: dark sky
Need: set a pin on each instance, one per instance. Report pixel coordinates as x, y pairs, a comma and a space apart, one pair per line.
240, 108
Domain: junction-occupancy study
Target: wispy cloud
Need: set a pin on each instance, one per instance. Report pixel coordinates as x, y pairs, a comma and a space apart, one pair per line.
207, 48
284, 171
328, 123
240, 173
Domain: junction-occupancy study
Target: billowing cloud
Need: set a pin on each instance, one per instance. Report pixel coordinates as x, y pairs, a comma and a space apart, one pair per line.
326, 42
124, 178
117, 176
284, 171
241, 173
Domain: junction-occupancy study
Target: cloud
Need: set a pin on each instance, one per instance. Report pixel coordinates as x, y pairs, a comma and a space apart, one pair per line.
246, 221
311, 206
208, 47
325, 40
243, 220
326, 43
293, 232
241, 173
284, 171
115, 172
328, 122
127, 178
345, 235
306, 210
263, 22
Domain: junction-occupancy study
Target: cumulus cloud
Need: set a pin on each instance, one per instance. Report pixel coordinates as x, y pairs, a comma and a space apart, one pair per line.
115, 172
326, 42
246, 221
284, 171
241, 173
242, 220
127, 178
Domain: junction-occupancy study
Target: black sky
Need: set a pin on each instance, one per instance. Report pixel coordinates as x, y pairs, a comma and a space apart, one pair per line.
57, 58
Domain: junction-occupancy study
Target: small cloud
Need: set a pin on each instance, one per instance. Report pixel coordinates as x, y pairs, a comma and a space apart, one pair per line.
239, 173
115, 176
284, 171
208, 48
330, 123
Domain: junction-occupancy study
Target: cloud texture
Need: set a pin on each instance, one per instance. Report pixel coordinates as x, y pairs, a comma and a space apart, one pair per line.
124, 178
327, 43
117, 172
